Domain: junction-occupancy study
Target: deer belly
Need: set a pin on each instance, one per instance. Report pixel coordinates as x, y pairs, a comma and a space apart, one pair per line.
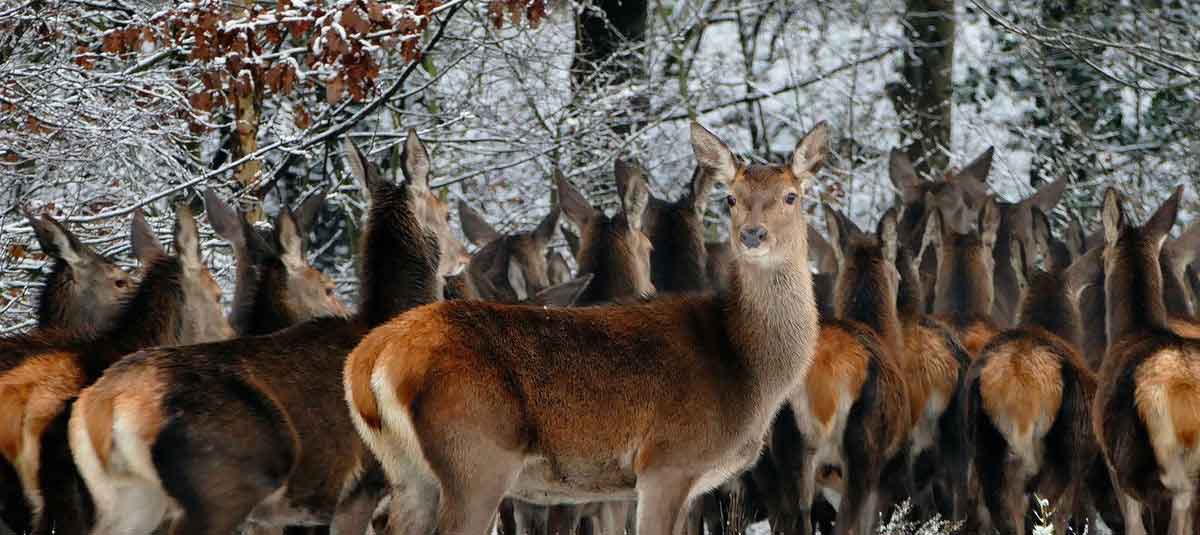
548, 481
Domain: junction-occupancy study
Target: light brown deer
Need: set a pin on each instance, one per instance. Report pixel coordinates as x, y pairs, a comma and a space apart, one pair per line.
964, 293
852, 410
83, 288
162, 435
464, 402
507, 267
177, 302
1147, 410
1030, 391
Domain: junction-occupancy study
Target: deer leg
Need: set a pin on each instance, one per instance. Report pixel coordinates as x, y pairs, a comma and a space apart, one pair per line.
1131, 509
807, 489
1181, 513
506, 523
563, 519
662, 503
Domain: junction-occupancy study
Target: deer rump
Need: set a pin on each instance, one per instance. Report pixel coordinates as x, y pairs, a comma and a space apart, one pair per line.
537, 384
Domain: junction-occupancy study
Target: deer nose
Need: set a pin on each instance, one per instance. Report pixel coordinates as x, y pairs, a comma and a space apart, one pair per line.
753, 236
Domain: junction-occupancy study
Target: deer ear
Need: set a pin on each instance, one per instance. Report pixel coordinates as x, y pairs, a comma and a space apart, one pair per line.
306, 214
290, 239
904, 176
187, 238
545, 229
634, 201
888, 236
973, 177
1075, 238
225, 221
516, 279
57, 241
811, 152
820, 253
626, 171
365, 174
989, 223
577, 208
1043, 235
572, 240
932, 239
146, 246
563, 295
1020, 261
1159, 225
702, 186
474, 226
1185, 248
1047, 196
557, 268
1113, 216
1086, 270
712, 155
416, 161
837, 235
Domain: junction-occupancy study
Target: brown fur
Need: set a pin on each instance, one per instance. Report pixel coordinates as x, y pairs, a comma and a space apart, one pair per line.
177, 456
509, 267
83, 288
675, 396
1144, 409
963, 298
840, 364
177, 301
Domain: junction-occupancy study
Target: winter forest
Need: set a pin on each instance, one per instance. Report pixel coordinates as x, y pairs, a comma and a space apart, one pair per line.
110, 106
115, 110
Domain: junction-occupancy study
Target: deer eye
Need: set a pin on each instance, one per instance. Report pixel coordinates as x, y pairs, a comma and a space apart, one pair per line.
121, 283
790, 198
731, 200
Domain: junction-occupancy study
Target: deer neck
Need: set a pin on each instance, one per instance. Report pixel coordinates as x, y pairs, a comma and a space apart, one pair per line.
773, 324
1133, 298
1047, 306
867, 300
963, 290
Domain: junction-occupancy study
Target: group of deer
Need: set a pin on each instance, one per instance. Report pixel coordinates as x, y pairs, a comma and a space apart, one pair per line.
533, 400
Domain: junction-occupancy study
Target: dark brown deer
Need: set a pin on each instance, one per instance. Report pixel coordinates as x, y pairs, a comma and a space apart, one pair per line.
508, 267
678, 262
177, 302
933, 363
276, 285
466, 401
173, 446
1146, 413
958, 196
1016, 223
83, 288
1029, 393
964, 293
852, 410
612, 249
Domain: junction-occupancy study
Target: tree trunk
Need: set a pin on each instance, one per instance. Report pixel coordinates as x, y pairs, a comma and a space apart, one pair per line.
924, 99
604, 31
247, 108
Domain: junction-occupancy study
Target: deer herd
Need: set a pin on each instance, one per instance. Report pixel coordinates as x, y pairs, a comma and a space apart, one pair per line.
961, 355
